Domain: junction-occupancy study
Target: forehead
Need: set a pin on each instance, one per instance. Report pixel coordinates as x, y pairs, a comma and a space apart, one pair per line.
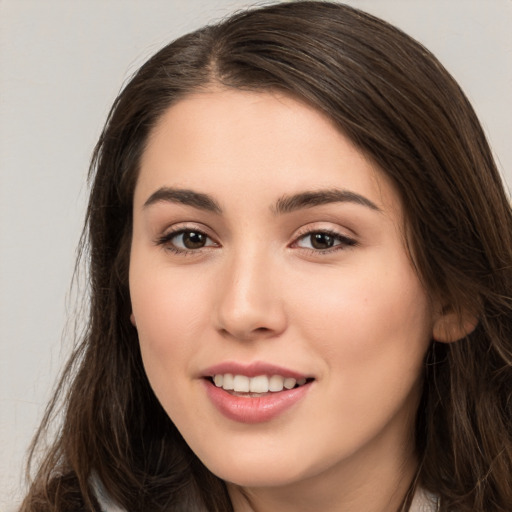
245, 140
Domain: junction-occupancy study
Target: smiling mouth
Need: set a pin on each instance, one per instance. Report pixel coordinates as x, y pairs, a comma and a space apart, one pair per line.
258, 397
253, 387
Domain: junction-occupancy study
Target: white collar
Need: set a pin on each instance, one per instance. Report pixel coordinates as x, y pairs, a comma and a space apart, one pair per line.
104, 500
424, 501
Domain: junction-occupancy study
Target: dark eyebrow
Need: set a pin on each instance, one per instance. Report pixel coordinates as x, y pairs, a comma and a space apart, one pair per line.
288, 204
184, 196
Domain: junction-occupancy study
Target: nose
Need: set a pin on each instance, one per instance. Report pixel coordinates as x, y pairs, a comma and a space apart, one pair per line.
250, 302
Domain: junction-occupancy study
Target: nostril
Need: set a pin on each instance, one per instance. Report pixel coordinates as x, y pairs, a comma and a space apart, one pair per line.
248, 334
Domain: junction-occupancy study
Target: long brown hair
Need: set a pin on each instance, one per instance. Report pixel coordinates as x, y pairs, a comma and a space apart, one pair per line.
392, 98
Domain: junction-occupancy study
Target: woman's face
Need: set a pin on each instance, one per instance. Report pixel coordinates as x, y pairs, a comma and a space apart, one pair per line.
268, 254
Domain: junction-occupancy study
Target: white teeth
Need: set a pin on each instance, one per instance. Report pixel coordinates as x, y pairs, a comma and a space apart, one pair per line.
289, 383
241, 384
260, 384
276, 383
227, 383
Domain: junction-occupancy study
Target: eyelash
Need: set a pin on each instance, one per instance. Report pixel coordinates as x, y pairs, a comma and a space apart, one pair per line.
165, 241
344, 242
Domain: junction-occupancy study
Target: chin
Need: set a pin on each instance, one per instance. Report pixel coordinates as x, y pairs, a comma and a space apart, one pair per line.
272, 470
259, 477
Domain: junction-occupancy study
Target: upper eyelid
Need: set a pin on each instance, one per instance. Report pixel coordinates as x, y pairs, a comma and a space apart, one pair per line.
179, 227
337, 231
176, 230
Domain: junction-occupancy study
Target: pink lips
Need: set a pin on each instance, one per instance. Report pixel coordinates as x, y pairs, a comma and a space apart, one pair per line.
246, 409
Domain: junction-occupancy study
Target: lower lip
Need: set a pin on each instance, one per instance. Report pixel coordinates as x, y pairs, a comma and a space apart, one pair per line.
254, 409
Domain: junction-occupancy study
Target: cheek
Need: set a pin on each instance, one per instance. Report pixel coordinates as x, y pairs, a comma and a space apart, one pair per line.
170, 313
369, 319
372, 330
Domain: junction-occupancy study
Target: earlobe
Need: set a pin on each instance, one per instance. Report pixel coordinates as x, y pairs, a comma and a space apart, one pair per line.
452, 326
132, 320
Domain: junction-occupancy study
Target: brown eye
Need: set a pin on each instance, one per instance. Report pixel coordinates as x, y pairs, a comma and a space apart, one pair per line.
322, 241
185, 240
193, 239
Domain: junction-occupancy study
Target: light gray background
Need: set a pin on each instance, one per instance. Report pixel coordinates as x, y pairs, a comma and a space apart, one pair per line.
62, 63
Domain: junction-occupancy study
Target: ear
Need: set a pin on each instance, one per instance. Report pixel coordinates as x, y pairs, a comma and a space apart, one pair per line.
450, 325
132, 320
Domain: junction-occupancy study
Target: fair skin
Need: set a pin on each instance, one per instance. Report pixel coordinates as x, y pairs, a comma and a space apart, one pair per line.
225, 271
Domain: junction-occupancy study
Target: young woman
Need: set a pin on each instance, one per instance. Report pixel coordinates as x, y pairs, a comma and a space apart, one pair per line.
301, 271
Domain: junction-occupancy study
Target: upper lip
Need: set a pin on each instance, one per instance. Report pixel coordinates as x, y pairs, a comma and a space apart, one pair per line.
251, 370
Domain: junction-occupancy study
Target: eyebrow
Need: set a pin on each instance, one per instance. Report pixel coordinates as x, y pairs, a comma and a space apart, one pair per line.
288, 204
285, 204
184, 196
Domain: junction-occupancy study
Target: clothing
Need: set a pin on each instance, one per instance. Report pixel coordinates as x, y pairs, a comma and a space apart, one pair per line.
106, 504
422, 501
